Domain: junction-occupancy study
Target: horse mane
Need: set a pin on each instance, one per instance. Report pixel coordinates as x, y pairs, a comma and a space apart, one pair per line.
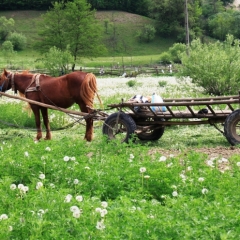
89, 89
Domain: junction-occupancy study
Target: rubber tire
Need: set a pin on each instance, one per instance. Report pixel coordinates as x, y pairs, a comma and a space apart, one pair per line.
230, 127
153, 135
126, 124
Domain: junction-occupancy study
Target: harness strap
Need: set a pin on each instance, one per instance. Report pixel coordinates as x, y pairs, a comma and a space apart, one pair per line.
36, 79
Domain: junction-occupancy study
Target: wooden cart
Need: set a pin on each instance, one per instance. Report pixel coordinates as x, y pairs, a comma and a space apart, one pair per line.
140, 118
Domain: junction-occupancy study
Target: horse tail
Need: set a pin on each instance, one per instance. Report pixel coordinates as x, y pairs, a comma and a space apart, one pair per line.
89, 89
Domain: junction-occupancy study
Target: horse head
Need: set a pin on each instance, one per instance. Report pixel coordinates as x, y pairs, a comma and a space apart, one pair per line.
5, 80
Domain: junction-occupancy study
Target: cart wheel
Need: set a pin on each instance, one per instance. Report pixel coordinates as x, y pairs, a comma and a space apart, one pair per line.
232, 127
152, 135
119, 126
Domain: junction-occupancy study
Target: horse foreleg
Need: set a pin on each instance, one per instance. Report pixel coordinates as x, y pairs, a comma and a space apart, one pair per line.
89, 130
46, 123
36, 112
89, 123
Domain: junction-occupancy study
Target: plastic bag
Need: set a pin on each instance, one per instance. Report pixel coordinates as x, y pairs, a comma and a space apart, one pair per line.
157, 99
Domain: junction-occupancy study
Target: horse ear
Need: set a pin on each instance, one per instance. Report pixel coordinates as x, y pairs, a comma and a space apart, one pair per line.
5, 72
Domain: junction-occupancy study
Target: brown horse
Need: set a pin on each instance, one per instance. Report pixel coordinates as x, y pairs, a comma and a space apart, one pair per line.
76, 87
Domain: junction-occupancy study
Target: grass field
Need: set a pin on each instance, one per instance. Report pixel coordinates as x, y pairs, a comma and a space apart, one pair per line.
183, 186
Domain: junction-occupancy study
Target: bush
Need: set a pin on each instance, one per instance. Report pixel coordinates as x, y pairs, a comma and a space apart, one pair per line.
147, 34
131, 83
18, 40
215, 67
7, 46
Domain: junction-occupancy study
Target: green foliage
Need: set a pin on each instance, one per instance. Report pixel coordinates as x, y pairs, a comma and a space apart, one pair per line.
173, 54
6, 26
72, 24
18, 40
215, 66
57, 61
7, 47
162, 83
165, 57
131, 83
147, 34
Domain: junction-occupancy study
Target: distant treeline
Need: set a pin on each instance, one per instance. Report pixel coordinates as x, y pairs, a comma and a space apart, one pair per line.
133, 6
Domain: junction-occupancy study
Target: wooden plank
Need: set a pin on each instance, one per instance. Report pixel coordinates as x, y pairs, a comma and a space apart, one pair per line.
45, 105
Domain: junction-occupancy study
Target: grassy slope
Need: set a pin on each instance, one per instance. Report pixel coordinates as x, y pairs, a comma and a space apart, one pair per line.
126, 25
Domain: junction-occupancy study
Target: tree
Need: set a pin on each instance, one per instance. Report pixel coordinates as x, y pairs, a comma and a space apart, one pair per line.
18, 40
72, 24
146, 34
6, 26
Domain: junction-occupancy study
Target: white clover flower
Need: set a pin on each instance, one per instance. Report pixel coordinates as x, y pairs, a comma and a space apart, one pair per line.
68, 198
48, 149
147, 176
76, 181
238, 164
175, 193
201, 179
20, 186
3, 217
74, 209
204, 191
66, 159
131, 156
13, 186
189, 168
162, 159
98, 209
183, 177
104, 204
100, 225
26, 154
224, 160
142, 169
73, 159
42, 176
39, 185
169, 165
210, 163
77, 214
25, 189
103, 212
79, 198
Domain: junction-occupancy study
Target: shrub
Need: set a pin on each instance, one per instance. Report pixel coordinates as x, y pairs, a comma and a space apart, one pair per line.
18, 40
147, 34
7, 46
131, 83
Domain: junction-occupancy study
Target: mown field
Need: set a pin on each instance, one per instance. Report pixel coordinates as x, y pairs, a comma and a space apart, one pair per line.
183, 186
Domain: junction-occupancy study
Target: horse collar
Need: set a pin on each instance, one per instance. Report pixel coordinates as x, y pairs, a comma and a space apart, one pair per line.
10, 76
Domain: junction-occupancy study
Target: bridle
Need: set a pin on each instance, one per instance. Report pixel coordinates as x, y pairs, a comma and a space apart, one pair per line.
9, 77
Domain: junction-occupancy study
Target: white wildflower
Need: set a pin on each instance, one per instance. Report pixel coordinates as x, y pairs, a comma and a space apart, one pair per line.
204, 191
104, 204
76, 181
26, 154
68, 198
87, 168
100, 225
73, 159
79, 198
162, 159
103, 212
48, 149
175, 193
147, 176
39, 185
142, 169
66, 159
13, 186
3, 217
10, 228
42, 176
201, 179
238, 164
